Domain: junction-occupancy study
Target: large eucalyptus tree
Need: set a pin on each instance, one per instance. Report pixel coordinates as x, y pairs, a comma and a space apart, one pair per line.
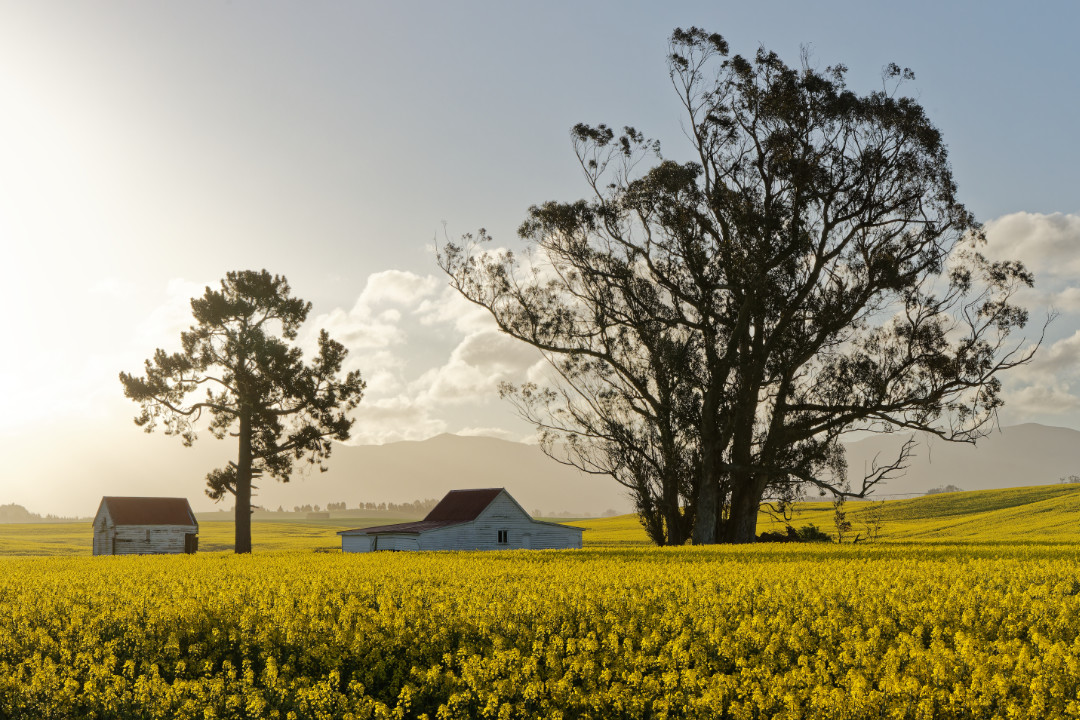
809, 272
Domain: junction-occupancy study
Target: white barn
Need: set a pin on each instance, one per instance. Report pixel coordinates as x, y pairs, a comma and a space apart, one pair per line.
145, 525
466, 520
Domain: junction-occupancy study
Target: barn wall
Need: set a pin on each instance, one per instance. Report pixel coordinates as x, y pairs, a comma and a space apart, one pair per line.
102, 540
396, 542
103, 533
356, 543
132, 539
483, 534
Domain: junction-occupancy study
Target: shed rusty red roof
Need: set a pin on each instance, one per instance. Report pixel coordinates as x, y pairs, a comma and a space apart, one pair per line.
148, 511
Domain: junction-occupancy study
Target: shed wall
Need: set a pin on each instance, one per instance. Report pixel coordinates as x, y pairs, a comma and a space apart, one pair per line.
141, 539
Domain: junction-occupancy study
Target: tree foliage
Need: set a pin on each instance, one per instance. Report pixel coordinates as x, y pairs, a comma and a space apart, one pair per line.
238, 367
718, 324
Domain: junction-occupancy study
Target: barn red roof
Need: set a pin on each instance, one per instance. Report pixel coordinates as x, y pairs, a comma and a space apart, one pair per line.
459, 506
463, 505
148, 511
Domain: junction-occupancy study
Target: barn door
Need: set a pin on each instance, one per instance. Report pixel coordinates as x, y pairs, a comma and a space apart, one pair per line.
191, 543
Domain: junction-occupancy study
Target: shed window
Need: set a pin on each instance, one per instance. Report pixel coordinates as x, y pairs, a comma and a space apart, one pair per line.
503, 537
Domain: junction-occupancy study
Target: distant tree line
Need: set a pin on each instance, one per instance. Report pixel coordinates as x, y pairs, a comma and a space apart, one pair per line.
944, 489
416, 507
17, 513
1069, 479
12, 513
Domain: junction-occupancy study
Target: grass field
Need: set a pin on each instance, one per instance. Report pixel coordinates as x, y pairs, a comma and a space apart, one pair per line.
1037, 514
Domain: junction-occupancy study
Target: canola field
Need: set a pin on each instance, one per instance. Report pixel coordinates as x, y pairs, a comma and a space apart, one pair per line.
769, 631
967, 606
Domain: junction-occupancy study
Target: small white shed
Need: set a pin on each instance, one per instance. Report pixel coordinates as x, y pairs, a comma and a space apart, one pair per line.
486, 519
145, 525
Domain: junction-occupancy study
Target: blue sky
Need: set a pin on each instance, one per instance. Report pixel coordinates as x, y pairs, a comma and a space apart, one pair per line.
148, 148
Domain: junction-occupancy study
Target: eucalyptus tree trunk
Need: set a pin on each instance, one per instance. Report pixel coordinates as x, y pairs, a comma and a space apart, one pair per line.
707, 517
745, 502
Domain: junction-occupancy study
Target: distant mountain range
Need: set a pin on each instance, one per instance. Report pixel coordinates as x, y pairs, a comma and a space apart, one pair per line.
71, 479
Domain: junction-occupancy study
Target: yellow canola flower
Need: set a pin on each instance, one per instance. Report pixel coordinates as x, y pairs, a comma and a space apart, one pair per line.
780, 632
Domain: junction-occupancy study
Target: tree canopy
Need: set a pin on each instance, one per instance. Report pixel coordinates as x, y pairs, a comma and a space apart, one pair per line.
237, 366
717, 325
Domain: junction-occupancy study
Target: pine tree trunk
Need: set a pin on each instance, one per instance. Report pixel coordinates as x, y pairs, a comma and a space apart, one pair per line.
242, 522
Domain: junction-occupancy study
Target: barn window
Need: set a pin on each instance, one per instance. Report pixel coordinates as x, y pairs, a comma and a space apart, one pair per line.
504, 537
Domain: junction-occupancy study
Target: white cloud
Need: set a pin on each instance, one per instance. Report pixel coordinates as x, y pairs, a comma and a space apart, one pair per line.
430, 358
370, 324
1067, 300
488, 432
395, 286
451, 309
1047, 244
163, 325
475, 368
393, 419
1060, 359
1035, 400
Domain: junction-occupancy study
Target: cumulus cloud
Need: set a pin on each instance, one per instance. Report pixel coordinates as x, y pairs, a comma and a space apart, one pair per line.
488, 432
1035, 400
371, 323
395, 286
475, 368
391, 419
162, 327
451, 309
1047, 244
1047, 385
1067, 300
1060, 359
431, 359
